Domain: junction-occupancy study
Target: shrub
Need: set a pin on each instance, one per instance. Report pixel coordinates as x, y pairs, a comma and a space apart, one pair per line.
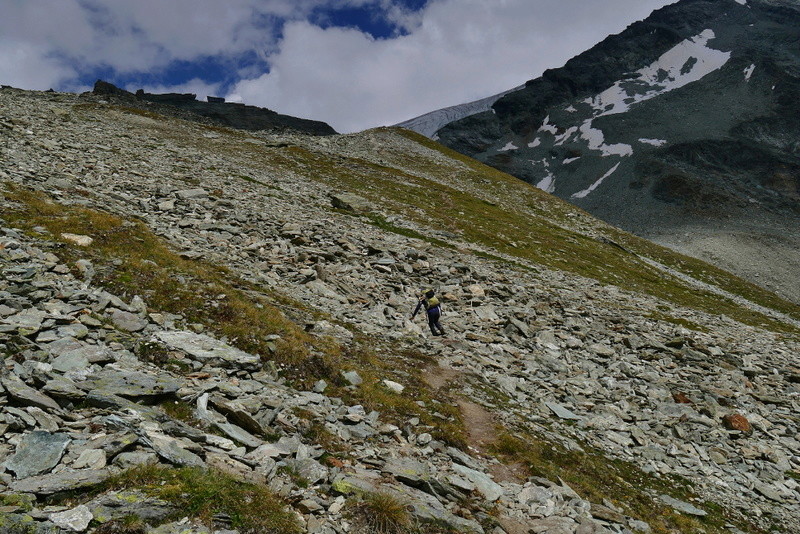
381, 513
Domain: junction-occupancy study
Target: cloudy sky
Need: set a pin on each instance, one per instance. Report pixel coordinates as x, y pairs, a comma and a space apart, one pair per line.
352, 63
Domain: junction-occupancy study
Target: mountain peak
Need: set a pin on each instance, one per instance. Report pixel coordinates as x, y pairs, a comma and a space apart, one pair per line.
677, 129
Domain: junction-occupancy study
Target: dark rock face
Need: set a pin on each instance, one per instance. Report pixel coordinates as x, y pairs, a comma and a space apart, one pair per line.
685, 120
228, 114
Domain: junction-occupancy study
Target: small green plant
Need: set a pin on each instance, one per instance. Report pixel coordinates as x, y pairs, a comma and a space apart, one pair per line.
152, 352
294, 475
180, 410
380, 513
201, 493
130, 524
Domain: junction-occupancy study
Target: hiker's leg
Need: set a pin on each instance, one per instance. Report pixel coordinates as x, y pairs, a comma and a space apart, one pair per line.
439, 326
432, 319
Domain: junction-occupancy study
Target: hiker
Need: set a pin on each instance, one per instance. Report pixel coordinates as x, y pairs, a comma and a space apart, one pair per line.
431, 303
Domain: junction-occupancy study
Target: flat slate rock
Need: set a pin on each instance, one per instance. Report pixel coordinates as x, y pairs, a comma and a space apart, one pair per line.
66, 480
128, 321
120, 504
26, 395
408, 471
682, 506
131, 383
70, 361
171, 450
562, 412
37, 452
27, 322
240, 435
76, 519
309, 469
483, 483
206, 349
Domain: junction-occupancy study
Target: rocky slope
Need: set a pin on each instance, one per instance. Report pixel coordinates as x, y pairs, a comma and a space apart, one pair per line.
680, 129
177, 298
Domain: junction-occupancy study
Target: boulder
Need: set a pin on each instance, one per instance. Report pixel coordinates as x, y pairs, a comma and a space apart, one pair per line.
66, 480
75, 520
37, 452
738, 422
351, 202
208, 350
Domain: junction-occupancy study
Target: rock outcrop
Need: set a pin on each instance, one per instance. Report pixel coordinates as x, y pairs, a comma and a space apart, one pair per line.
231, 114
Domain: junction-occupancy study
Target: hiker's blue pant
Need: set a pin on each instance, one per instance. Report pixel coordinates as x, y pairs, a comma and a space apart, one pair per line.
433, 321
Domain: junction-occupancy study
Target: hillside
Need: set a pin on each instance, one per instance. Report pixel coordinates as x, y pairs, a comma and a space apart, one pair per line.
208, 330
680, 129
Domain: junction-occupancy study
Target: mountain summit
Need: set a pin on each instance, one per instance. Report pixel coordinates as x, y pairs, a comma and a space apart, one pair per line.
681, 129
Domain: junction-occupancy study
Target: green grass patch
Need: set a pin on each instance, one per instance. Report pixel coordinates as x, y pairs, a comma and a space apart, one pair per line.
131, 260
130, 524
596, 477
180, 410
201, 493
380, 222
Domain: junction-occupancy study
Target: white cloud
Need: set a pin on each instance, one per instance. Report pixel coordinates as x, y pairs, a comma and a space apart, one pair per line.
453, 51
458, 51
135, 37
27, 65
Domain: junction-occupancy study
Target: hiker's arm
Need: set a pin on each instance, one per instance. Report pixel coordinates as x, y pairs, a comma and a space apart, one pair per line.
416, 310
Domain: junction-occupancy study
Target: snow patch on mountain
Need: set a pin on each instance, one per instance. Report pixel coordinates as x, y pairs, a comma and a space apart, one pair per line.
687, 62
548, 183
654, 142
561, 139
547, 127
749, 72
582, 194
429, 123
509, 146
596, 140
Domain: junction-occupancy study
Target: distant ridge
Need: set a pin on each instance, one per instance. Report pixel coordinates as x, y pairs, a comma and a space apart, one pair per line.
231, 114
429, 123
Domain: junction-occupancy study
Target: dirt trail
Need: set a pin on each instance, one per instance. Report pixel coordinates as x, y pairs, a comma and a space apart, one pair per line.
481, 424
482, 429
